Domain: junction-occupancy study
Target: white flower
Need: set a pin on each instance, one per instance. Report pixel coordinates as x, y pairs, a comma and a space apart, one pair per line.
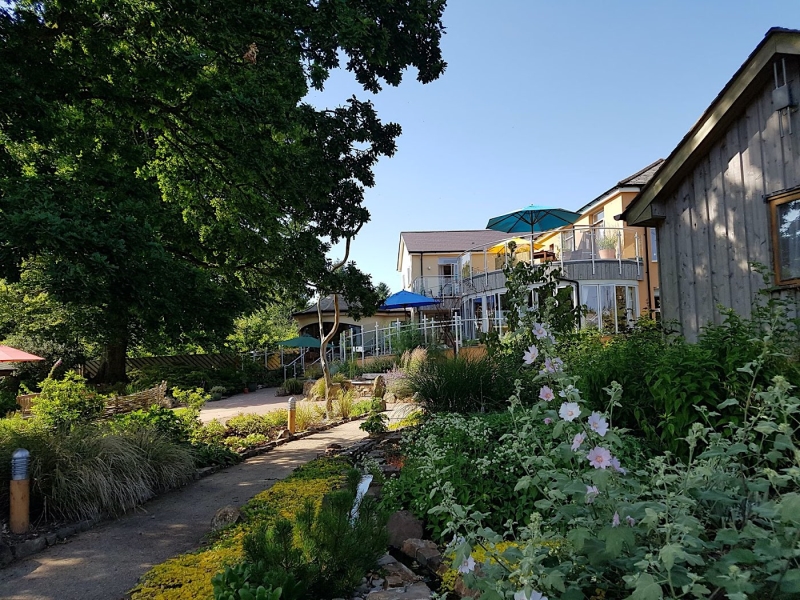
530, 356
615, 520
539, 331
616, 466
578, 440
546, 393
599, 457
631, 521
569, 411
598, 424
467, 566
521, 595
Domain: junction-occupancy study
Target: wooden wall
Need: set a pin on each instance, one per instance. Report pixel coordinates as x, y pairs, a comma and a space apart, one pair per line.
717, 221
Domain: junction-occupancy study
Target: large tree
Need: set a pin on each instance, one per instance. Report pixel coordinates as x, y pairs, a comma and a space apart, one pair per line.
158, 162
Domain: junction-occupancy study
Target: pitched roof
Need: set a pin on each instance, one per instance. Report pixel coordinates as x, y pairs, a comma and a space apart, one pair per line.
638, 179
731, 99
327, 307
450, 241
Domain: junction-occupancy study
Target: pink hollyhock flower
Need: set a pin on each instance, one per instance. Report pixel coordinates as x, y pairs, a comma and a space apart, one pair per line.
546, 393
578, 440
598, 424
530, 356
616, 466
467, 566
631, 521
591, 493
599, 457
547, 420
539, 331
569, 411
615, 520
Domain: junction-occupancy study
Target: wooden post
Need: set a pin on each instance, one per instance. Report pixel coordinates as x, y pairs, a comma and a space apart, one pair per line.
20, 506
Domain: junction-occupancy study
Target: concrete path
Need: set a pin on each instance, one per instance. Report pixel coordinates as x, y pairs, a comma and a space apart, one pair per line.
107, 561
258, 402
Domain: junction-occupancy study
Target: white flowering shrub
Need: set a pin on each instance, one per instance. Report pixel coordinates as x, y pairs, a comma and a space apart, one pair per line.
723, 524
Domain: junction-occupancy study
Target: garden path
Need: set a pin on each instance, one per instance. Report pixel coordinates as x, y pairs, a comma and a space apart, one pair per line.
259, 402
107, 561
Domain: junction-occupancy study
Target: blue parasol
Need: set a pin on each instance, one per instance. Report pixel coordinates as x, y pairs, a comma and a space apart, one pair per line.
406, 299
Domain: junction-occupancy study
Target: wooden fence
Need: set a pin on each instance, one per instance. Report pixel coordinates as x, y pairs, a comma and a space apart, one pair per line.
199, 361
114, 406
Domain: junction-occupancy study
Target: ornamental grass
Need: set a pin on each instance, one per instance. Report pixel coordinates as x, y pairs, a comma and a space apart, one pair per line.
188, 576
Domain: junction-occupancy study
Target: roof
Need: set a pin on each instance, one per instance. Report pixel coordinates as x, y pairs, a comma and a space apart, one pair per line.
638, 179
450, 241
327, 307
744, 84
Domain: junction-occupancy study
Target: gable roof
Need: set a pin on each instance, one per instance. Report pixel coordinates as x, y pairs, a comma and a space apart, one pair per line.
741, 88
450, 241
327, 307
637, 180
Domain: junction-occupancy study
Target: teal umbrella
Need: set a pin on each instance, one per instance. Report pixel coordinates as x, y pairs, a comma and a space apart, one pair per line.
304, 341
533, 219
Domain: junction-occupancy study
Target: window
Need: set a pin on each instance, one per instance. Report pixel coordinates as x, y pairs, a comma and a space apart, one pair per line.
653, 245
598, 218
785, 213
609, 308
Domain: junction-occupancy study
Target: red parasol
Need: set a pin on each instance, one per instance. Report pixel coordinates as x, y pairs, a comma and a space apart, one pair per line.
9, 354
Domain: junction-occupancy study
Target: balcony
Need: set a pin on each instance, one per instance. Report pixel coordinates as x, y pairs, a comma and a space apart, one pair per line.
437, 286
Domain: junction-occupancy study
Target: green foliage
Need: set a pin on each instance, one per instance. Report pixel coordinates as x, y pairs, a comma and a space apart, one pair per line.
405, 338
264, 327
245, 424
163, 420
361, 407
186, 377
343, 404
234, 584
214, 454
66, 403
293, 386
375, 423
92, 470
460, 384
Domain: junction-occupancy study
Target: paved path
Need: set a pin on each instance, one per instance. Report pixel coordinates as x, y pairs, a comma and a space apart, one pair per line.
258, 402
107, 561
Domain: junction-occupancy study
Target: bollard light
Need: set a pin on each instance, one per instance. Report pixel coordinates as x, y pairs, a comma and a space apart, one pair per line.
292, 403
19, 492
292, 415
20, 462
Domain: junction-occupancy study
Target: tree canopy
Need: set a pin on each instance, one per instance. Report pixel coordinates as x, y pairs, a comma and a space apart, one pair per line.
159, 166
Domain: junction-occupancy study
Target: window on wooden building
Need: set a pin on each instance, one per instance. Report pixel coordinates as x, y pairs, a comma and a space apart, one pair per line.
785, 212
653, 245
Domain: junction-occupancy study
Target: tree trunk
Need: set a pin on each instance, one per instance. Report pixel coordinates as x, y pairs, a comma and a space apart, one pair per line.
324, 340
112, 367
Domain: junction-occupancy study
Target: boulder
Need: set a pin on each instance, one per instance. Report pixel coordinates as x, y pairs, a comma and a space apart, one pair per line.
379, 387
403, 525
225, 517
389, 398
417, 591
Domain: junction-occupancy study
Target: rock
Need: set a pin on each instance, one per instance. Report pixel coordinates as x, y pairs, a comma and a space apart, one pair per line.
66, 531
6, 555
398, 569
390, 470
389, 398
378, 583
29, 547
386, 559
462, 590
430, 557
225, 517
375, 490
403, 525
412, 548
285, 434
51, 538
379, 388
417, 591
393, 581
307, 387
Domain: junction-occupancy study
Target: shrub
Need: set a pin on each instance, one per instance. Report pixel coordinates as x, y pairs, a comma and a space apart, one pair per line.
159, 418
317, 391
246, 424
293, 386
343, 405
214, 454
66, 403
212, 432
361, 407
246, 442
375, 423
406, 338
398, 383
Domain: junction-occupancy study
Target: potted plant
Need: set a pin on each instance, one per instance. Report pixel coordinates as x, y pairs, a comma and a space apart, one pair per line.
217, 392
607, 246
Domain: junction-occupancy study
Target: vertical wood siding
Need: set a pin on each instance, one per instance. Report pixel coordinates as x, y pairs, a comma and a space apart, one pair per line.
717, 222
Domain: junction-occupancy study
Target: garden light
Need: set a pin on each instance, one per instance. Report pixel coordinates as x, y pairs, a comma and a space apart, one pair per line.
19, 517
292, 414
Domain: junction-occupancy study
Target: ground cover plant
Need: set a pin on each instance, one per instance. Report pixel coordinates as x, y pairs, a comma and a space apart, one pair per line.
190, 575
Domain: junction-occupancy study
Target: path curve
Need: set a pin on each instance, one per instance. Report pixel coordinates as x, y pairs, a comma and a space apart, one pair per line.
107, 561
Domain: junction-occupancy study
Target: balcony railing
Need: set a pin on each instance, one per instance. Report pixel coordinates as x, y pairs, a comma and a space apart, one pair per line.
433, 286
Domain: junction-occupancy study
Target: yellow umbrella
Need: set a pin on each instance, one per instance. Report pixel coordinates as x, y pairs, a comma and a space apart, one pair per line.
520, 242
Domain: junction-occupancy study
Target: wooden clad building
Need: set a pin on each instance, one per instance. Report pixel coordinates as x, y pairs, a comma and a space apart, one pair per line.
729, 194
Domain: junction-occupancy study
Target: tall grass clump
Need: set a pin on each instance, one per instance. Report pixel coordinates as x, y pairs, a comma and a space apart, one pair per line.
343, 405
460, 384
308, 414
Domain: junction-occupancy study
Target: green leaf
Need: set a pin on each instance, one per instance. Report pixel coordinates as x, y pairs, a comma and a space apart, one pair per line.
523, 484
669, 554
727, 403
646, 588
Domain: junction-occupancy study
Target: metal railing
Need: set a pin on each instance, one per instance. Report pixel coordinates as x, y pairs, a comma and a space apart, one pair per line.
598, 244
433, 286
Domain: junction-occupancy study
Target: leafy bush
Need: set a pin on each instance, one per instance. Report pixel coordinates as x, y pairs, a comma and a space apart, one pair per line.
212, 432
214, 454
246, 424
375, 423
361, 407
398, 383
163, 420
252, 440
406, 338
234, 584
66, 403
293, 386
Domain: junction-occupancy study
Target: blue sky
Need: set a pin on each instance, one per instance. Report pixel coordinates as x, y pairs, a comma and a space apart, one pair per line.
545, 103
